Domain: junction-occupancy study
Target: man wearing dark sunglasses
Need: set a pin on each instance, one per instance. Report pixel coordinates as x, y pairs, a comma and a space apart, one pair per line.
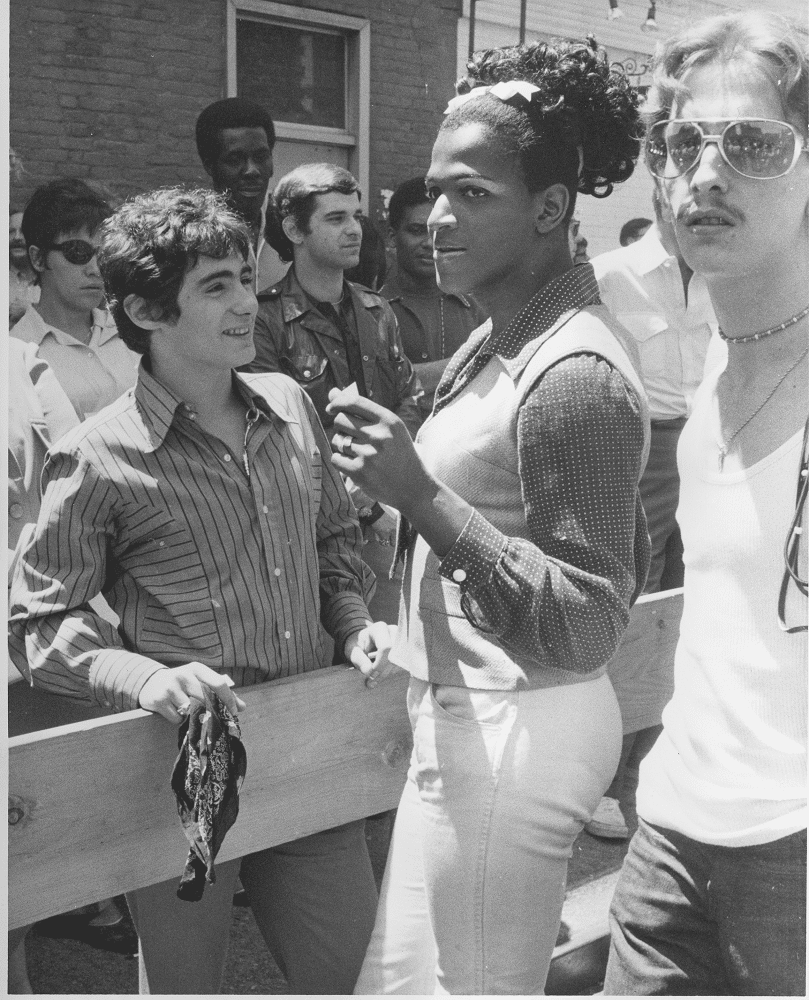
69, 324
712, 896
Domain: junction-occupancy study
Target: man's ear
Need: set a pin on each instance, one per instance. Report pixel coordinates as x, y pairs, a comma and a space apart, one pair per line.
550, 207
143, 313
37, 258
290, 227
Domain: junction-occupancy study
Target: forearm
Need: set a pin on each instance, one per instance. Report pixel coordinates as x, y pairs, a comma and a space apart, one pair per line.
66, 656
345, 581
56, 638
541, 607
436, 512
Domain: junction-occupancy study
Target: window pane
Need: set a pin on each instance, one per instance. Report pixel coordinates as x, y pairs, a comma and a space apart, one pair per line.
297, 75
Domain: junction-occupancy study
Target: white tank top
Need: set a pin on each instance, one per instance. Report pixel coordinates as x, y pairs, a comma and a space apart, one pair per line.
730, 766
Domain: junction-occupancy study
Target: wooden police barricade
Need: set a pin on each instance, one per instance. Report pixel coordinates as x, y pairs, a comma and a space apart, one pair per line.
92, 814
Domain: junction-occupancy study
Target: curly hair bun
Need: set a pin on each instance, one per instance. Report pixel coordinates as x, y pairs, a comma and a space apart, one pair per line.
582, 103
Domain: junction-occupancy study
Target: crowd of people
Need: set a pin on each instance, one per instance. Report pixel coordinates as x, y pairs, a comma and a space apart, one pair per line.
242, 445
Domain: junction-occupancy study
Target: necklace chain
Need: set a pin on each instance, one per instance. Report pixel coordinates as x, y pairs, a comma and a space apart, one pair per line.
766, 333
441, 310
725, 446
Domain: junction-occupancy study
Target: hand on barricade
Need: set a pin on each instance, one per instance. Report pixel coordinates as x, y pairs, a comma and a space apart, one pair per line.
367, 651
169, 692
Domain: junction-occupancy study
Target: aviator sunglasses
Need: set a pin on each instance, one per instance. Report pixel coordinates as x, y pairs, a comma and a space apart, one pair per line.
761, 148
75, 251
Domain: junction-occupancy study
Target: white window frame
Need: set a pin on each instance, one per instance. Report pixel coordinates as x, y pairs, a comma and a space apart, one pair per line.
356, 135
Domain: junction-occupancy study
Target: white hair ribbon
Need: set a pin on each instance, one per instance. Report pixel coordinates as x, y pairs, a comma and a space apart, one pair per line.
505, 92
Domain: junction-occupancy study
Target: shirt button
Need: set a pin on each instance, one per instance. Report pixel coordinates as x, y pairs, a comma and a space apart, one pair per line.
227, 457
192, 416
287, 635
307, 372
370, 393
365, 357
459, 575
277, 571
424, 355
266, 509
15, 510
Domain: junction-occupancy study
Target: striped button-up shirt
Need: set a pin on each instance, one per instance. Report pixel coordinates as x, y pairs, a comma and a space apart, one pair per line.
230, 560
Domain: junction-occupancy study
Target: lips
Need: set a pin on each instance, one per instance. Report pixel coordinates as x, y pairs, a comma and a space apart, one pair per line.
713, 217
444, 253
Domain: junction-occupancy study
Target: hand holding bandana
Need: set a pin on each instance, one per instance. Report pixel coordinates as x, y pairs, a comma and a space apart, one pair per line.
206, 780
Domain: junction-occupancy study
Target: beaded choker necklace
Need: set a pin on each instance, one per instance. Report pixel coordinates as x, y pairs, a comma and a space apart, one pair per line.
765, 333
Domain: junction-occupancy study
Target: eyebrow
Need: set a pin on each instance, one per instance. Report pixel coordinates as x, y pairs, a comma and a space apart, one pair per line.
468, 175
219, 275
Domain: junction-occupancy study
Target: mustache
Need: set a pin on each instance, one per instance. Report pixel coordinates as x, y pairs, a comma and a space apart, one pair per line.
691, 209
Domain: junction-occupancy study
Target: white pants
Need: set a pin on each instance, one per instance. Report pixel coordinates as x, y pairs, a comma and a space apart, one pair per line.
500, 784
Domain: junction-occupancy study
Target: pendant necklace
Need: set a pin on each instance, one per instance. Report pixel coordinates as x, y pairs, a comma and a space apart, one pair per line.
724, 447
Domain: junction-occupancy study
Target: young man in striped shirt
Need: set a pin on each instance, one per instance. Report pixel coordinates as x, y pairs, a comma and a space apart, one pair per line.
204, 506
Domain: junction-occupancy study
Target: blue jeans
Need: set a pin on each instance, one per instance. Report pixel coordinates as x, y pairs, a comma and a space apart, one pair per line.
499, 786
693, 919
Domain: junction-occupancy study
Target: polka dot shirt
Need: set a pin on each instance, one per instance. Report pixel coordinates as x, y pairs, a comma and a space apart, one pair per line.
561, 597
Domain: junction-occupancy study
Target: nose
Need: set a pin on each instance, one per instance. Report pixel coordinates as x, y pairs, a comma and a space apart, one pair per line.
710, 172
441, 216
91, 267
251, 168
354, 228
246, 302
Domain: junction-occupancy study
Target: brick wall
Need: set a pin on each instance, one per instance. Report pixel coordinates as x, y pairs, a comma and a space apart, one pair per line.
109, 90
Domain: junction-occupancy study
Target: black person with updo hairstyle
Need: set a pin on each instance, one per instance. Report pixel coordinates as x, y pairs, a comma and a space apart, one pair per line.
525, 537
581, 103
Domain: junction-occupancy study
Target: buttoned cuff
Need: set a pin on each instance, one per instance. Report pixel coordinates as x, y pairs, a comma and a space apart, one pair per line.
472, 559
346, 614
117, 677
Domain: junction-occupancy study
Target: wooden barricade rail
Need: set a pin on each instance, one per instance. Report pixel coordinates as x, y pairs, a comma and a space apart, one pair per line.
92, 814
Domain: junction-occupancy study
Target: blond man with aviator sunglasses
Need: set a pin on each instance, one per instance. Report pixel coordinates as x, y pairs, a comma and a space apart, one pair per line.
712, 896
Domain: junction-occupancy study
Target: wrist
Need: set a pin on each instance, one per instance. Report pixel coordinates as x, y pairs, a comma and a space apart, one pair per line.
369, 515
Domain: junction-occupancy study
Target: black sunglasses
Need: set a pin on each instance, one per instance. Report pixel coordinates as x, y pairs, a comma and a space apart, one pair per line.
75, 251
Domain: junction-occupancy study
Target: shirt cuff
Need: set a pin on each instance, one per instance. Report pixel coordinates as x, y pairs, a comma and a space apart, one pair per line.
472, 559
118, 676
346, 614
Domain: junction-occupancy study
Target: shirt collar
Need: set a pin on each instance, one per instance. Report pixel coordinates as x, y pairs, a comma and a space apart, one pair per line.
158, 405
36, 329
648, 253
568, 293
